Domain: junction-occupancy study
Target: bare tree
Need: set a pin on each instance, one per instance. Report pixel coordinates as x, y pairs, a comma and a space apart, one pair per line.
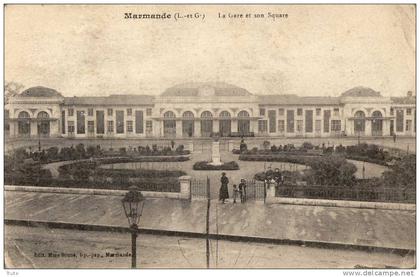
11, 89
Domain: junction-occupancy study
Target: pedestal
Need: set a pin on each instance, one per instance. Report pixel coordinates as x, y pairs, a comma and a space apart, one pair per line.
215, 153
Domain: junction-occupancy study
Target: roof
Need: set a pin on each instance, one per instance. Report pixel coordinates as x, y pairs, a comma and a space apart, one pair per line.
361, 92
110, 100
206, 89
40, 92
404, 100
292, 99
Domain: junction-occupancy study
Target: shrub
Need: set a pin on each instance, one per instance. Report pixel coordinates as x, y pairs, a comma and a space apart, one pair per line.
204, 165
180, 149
273, 148
236, 151
266, 144
307, 146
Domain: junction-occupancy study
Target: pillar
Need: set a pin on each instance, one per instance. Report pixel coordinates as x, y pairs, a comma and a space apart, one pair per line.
185, 185
234, 125
216, 123
197, 128
34, 128
178, 128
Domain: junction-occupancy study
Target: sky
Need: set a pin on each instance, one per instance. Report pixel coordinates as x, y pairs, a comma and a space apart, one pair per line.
320, 50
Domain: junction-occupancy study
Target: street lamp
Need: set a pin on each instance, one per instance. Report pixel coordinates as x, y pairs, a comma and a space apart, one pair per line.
133, 203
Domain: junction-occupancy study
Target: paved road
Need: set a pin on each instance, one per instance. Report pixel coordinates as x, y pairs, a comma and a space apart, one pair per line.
25, 246
383, 228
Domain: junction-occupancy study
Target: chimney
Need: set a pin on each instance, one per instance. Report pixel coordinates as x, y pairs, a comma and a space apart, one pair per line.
409, 93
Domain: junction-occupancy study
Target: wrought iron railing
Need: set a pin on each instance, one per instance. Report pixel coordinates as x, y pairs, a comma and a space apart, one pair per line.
397, 195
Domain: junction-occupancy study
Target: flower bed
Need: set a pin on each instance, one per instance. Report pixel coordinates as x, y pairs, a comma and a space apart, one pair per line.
277, 158
205, 165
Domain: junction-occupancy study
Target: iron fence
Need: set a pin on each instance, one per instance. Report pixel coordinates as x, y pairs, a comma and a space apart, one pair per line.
391, 195
255, 190
199, 188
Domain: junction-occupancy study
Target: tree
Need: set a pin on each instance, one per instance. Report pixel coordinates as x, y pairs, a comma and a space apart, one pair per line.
331, 170
11, 89
402, 173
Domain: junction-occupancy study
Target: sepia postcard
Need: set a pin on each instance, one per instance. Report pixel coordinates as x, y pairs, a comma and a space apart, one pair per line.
210, 137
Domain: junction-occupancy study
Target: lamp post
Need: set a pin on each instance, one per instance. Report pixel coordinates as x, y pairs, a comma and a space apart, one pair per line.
133, 203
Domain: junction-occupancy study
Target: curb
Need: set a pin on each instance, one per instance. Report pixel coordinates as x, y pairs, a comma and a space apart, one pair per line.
341, 203
147, 194
233, 238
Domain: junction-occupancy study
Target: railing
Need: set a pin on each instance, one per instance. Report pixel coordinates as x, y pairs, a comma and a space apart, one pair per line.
347, 193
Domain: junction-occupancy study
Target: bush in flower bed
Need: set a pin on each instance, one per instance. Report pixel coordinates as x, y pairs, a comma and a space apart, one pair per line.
277, 158
205, 165
145, 184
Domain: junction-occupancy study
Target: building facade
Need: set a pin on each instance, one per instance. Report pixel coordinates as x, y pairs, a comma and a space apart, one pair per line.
198, 110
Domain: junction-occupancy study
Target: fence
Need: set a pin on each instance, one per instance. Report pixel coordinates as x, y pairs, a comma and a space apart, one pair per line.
255, 190
390, 195
200, 188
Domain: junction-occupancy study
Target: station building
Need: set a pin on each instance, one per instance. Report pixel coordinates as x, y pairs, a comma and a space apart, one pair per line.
200, 110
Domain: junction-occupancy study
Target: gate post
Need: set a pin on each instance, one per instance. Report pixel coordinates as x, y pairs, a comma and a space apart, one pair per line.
271, 194
185, 187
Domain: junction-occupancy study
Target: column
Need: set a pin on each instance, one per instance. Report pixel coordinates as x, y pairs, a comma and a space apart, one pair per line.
216, 123
184, 183
178, 128
368, 128
197, 126
34, 128
234, 125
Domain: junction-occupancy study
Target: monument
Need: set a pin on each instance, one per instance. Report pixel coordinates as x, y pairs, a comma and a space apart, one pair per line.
215, 152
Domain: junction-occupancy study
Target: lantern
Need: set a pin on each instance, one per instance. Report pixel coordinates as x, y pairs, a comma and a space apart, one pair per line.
133, 203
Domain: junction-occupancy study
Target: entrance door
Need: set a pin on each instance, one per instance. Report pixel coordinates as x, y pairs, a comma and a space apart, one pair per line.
169, 128
187, 128
377, 123
224, 127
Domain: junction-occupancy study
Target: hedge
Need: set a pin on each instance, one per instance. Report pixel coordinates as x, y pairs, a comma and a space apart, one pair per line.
205, 165
278, 158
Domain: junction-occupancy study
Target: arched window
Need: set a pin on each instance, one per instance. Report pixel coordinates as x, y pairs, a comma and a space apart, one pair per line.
188, 114
359, 122
243, 114
169, 114
206, 114
225, 114
43, 115
23, 114
376, 114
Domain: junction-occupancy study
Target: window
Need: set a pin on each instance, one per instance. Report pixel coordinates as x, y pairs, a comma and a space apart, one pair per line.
71, 112
262, 112
100, 122
299, 112
110, 126
139, 122
309, 121
70, 127
120, 121
129, 112
408, 125
63, 122
91, 126
272, 120
80, 122
336, 112
281, 126
90, 112
109, 112
129, 126
335, 125
281, 112
327, 116
408, 111
262, 126
290, 121
318, 111
149, 112
391, 111
400, 121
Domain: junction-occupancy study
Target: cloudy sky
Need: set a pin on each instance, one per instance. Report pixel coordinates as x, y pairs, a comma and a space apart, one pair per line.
317, 50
